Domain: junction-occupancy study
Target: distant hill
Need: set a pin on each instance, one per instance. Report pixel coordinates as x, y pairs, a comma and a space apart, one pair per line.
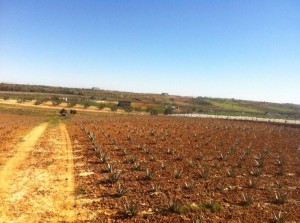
160, 102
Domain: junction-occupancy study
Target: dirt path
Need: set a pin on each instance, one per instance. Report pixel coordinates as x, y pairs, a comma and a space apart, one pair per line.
37, 183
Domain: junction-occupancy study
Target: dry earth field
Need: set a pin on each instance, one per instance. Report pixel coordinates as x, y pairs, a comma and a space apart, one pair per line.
147, 169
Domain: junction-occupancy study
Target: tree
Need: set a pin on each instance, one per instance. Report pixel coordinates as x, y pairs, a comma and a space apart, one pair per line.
38, 102
101, 106
56, 102
168, 111
63, 112
72, 103
86, 104
73, 112
128, 109
114, 108
153, 112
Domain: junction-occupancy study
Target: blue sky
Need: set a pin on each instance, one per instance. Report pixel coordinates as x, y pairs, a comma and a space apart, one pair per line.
234, 49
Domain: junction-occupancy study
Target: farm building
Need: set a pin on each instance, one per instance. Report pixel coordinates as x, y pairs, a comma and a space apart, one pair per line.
124, 103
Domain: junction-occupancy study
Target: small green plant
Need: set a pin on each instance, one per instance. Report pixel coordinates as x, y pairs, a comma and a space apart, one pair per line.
259, 157
152, 133
173, 205
47, 163
124, 152
128, 138
98, 152
280, 217
152, 158
279, 184
280, 171
121, 190
220, 187
109, 168
114, 176
259, 163
188, 185
131, 159
200, 157
177, 173
80, 190
230, 173
136, 166
280, 197
170, 151
264, 152
213, 206
149, 174
252, 183
155, 188
198, 219
147, 150
280, 161
130, 208
247, 199
239, 164
221, 157
255, 172
204, 172
178, 157
197, 146
104, 157
192, 163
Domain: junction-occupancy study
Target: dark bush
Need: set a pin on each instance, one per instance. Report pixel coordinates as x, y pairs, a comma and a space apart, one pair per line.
137, 109
153, 112
101, 106
87, 104
168, 111
56, 102
114, 108
72, 103
38, 102
73, 112
128, 109
20, 100
63, 112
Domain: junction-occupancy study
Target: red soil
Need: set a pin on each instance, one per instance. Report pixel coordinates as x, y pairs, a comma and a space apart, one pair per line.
190, 145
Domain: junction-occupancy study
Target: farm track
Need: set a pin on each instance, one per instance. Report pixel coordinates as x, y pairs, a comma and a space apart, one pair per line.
37, 182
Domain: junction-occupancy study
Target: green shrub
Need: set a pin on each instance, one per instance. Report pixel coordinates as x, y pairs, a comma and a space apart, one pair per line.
101, 106
128, 109
73, 112
87, 104
38, 102
114, 108
56, 102
72, 104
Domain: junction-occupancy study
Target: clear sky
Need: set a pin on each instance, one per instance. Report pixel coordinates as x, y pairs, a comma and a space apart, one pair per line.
236, 49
